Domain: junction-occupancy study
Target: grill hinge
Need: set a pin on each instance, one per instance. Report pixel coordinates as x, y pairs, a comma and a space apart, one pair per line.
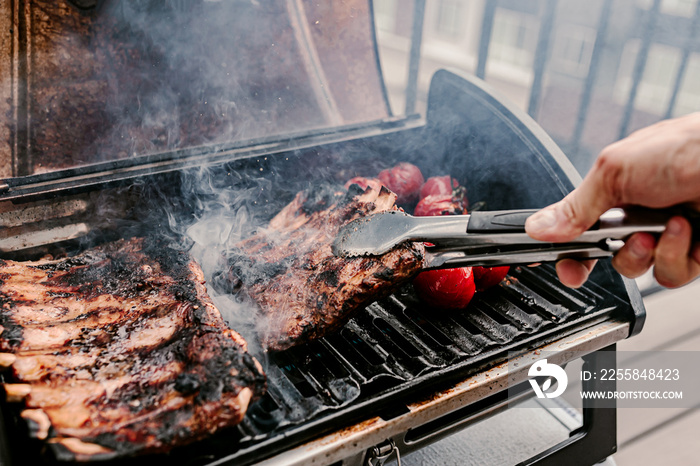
380, 453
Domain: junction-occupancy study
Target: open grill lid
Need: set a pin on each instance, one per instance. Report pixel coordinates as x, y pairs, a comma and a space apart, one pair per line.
101, 85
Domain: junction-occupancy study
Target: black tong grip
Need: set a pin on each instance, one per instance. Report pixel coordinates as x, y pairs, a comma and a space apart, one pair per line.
500, 221
631, 219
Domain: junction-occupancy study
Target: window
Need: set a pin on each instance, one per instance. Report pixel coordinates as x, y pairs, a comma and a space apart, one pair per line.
448, 19
385, 15
672, 7
657, 81
679, 7
688, 100
514, 38
572, 49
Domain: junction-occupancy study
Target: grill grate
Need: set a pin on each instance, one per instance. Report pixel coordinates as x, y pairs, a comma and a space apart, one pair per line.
393, 350
398, 343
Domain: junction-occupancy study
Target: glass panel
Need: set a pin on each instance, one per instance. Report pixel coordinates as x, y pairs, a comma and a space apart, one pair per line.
570, 82
447, 20
385, 15
141, 77
679, 7
659, 76
671, 7
572, 49
689, 95
514, 38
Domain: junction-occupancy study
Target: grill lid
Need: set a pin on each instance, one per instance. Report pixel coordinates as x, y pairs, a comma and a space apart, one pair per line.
104, 81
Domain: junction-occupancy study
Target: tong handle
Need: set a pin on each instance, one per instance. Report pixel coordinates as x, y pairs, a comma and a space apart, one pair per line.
499, 238
616, 223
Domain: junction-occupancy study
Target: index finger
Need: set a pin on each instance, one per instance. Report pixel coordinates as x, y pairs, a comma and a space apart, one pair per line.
581, 208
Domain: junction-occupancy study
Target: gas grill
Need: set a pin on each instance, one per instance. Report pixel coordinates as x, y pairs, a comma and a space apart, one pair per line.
398, 375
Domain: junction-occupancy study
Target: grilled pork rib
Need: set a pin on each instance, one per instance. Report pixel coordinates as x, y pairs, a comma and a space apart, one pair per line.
303, 291
120, 350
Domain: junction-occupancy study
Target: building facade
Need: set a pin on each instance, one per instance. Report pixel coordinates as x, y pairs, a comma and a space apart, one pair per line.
607, 67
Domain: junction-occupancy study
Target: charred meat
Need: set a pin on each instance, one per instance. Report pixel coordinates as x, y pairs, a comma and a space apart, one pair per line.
303, 291
119, 350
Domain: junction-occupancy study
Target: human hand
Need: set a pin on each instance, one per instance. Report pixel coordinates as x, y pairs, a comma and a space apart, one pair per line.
657, 166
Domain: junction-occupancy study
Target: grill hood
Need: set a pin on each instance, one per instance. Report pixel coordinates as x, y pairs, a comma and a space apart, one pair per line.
129, 82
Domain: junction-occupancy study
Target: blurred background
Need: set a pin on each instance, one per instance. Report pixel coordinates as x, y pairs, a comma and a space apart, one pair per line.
589, 73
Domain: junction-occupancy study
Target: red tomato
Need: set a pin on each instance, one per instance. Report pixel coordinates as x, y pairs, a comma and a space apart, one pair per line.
446, 289
363, 182
405, 179
449, 288
440, 204
486, 277
438, 185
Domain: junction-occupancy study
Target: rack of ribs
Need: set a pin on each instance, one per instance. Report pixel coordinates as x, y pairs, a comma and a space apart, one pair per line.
302, 290
119, 351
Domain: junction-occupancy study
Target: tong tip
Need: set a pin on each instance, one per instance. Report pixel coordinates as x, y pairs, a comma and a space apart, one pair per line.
367, 236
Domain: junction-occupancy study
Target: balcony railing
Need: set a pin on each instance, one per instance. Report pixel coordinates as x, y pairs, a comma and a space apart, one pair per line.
650, 12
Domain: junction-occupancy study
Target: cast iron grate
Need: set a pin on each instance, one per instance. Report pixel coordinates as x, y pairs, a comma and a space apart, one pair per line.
397, 344
390, 352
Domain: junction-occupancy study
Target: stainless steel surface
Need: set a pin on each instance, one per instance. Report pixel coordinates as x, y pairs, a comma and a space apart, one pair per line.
505, 439
454, 245
379, 233
30, 225
352, 441
492, 257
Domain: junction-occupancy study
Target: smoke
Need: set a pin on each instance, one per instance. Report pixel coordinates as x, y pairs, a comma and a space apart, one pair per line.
168, 79
217, 209
142, 77
163, 79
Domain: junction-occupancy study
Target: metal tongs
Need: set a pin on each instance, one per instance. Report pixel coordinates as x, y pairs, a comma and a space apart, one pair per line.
495, 238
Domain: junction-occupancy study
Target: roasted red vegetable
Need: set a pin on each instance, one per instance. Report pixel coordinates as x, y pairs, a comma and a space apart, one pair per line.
405, 179
446, 289
449, 288
438, 185
486, 277
439, 204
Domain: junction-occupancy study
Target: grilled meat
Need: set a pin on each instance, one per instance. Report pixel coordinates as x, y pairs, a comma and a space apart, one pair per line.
303, 291
119, 350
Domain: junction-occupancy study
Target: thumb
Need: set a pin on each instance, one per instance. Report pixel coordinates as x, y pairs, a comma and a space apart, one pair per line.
577, 212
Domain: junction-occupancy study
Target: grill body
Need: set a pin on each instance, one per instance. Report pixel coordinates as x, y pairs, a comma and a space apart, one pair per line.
398, 371
423, 374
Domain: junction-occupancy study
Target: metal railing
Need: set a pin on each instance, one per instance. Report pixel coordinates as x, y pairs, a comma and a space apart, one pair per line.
646, 33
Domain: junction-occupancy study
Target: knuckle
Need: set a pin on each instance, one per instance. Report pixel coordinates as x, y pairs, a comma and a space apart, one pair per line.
610, 167
606, 157
664, 257
572, 212
671, 252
